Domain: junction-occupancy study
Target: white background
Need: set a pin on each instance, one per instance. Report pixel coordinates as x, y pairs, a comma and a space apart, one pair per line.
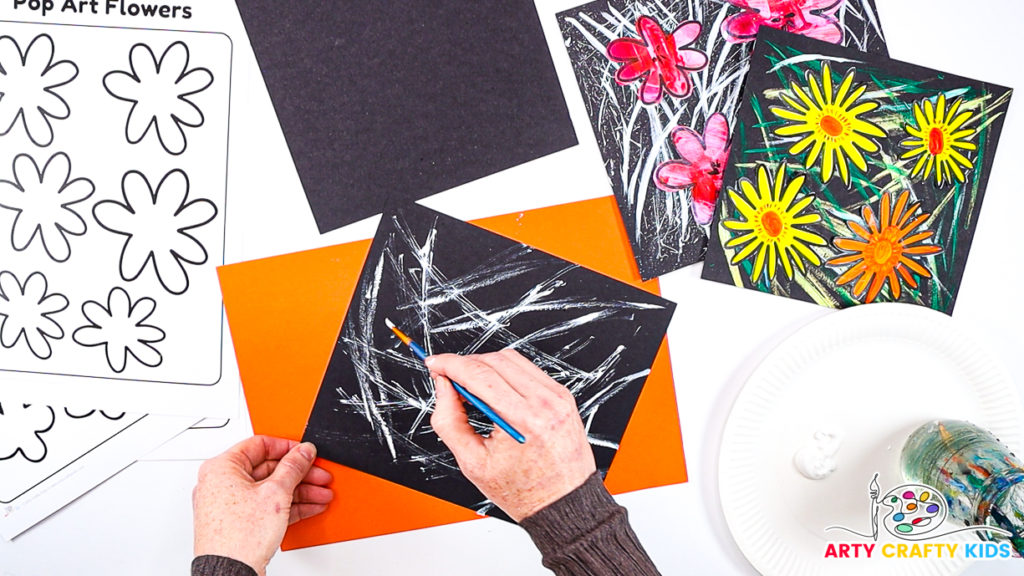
140, 521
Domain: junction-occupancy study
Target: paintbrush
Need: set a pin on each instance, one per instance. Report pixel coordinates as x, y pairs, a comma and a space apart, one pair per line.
478, 403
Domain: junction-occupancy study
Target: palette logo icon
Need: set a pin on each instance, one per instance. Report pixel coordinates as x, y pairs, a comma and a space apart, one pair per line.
912, 512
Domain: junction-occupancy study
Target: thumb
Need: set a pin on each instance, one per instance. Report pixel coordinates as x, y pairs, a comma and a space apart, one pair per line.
293, 467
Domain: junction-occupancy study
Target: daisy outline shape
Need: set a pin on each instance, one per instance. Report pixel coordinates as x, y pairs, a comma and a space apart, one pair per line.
28, 83
25, 313
71, 413
772, 224
829, 123
885, 250
121, 329
158, 225
44, 200
937, 140
159, 91
21, 431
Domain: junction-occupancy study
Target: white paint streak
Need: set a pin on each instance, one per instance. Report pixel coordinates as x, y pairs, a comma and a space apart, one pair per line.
423, 288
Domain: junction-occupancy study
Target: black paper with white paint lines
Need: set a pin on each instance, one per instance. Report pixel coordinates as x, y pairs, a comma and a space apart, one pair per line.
454, 287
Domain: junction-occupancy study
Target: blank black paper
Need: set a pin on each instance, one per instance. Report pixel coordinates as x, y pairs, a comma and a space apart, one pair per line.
454, 287
404, 99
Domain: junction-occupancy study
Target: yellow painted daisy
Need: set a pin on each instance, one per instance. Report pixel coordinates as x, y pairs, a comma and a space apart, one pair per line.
937, 139
771, 223
882, 250
830, 120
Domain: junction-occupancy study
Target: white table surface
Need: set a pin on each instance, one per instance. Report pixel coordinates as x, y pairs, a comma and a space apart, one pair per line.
139, 522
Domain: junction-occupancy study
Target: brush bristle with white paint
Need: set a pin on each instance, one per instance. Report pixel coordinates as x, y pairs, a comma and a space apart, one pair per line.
389, 323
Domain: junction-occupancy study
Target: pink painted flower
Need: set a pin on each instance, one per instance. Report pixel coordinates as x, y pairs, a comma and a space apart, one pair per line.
811, 18
703, 160
660, 59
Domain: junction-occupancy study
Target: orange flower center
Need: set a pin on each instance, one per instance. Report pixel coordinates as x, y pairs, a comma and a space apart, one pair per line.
885, 252
936, 142
831, 126
772, 223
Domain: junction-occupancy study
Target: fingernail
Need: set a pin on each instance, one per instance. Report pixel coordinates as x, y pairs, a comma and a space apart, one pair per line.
438, 385
429, 361
308, 450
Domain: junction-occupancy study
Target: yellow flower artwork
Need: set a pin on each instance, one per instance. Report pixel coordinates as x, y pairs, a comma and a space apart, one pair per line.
771, 228
939, 141
829, 119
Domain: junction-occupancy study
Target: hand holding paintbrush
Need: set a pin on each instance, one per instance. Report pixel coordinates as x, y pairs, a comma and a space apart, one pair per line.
519, 478
476, 402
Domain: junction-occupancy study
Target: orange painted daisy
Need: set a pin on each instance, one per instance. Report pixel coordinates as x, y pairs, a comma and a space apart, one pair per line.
885, 249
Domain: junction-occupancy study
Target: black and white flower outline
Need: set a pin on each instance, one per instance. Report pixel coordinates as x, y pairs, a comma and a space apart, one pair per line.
159, 91
14, 440
28, 81
44, 201
77, 416
119, 327
156, 224
25, 310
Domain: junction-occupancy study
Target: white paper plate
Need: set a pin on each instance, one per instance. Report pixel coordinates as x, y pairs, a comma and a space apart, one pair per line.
875, 373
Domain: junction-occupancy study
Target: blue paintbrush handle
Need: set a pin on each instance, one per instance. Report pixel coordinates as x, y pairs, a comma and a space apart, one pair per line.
490, 413
478, 403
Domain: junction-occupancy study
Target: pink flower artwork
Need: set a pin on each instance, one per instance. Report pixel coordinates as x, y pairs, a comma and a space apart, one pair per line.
701, 166
660, 59
811, 18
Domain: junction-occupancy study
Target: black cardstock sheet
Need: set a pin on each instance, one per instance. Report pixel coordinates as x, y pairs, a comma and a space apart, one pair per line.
400, 100
454, 287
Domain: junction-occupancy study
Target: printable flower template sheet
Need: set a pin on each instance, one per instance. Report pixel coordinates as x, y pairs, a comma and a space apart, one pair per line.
49, 456
855, 178
113, 183
661, 82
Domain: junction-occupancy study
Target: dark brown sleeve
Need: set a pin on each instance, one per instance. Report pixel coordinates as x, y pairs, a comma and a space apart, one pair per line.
587, 534
220, 566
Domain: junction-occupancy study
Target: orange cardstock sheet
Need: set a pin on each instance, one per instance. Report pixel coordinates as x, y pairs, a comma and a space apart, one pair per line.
285, 314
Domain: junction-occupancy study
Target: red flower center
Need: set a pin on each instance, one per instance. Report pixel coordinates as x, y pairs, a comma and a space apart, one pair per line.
936, 142
787, 15
785, 20
772, 223
831, 126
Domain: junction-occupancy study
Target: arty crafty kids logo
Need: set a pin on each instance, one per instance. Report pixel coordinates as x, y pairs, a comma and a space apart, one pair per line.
915, 514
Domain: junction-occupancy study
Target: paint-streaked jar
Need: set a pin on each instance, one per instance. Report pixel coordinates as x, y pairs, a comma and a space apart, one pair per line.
982, 481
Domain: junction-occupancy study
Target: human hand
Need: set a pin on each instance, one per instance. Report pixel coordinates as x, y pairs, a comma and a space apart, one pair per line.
521, 479
247, 497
